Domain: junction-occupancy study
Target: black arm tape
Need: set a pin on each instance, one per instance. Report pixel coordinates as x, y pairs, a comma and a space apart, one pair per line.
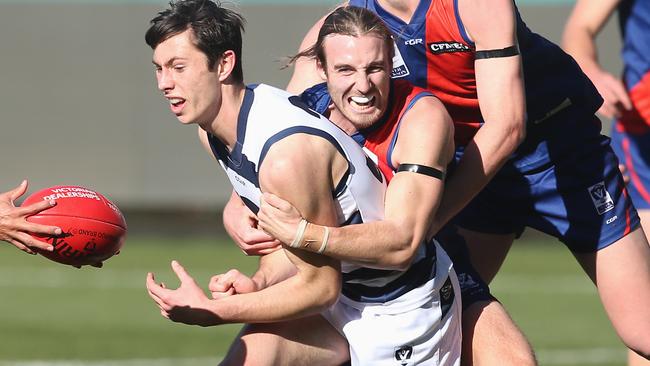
421, 169
504, 52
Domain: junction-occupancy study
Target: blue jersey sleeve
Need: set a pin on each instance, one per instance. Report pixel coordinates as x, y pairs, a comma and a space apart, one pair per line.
317, 98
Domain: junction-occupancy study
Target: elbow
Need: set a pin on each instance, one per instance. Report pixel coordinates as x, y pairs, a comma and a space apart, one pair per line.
327, 290
402, 260
402, 257
329, 296
516, 133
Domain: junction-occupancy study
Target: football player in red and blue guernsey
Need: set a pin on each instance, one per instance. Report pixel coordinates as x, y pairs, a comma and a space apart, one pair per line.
533, 150
402, 130
626, 100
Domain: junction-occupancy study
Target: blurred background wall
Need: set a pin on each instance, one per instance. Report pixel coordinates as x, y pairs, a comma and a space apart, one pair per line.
80, 106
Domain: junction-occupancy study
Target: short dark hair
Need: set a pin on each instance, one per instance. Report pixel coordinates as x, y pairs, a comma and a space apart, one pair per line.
216, 29
349, 21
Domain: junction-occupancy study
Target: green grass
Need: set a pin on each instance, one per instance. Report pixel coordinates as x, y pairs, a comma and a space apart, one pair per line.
52, 312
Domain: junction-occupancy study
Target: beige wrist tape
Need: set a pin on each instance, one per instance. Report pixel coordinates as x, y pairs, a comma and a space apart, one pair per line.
297, 240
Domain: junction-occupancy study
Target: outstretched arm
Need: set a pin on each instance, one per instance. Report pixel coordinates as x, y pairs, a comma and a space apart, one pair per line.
425, 138
316, 283
579, 40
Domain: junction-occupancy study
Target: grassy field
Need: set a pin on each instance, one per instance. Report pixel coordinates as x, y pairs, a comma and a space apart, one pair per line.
51, 314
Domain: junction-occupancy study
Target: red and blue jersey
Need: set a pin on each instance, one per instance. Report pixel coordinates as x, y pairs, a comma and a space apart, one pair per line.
434, 51
378, 140
634, 16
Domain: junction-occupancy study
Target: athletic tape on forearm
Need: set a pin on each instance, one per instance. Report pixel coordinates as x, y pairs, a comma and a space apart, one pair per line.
297, 240
326, 236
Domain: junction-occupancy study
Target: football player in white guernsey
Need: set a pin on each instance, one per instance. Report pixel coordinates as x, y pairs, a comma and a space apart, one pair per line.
267, 140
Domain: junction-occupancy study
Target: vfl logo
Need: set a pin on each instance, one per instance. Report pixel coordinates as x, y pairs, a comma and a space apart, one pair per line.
400, 69
446, 291
403, 355
601, 198
438, 48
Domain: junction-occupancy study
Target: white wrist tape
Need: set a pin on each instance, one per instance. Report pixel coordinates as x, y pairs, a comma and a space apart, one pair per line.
326, 236
297, 240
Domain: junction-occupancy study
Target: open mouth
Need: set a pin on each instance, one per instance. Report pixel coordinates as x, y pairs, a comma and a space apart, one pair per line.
362, 101
176, 104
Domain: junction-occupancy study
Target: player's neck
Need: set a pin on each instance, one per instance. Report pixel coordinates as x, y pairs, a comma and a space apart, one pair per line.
403, 9
341, 121
224, 126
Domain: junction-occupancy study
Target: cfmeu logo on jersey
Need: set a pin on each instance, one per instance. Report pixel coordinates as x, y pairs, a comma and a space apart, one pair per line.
403, 355
601, 198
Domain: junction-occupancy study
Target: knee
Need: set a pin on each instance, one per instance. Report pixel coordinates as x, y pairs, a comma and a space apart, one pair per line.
639, 344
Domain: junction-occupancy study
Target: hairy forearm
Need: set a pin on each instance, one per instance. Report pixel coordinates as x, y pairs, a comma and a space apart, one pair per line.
383, 244
298, 296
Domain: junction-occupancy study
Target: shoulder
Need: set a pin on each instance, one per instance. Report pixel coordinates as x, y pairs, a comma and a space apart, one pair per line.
487, 19
426, 127
296, 155
427, 110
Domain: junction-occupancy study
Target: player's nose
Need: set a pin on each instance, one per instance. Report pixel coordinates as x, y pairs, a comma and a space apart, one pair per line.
363, 83
165, 81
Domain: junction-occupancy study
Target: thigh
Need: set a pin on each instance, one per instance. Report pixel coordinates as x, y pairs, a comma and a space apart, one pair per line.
621, 272
306, 341
490, 337
486, 252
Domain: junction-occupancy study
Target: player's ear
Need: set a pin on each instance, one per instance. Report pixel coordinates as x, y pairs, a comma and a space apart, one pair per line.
226, 64
321, 70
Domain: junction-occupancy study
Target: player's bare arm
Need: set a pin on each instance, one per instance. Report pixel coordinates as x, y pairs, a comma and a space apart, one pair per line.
426, 140
269, 272
579, 40
500, 88
316, 284
14, 227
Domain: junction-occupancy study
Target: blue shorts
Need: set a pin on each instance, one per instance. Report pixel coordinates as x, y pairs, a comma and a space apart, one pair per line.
563, 181
472, 288
633, 151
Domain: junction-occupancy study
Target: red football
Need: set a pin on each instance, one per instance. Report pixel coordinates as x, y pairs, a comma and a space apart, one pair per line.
93, 227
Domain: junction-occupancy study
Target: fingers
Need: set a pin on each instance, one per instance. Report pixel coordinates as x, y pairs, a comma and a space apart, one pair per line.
621, 95
275, 201
15, 193
262, 248
268, 250
29, 227
29, 241
20, 246
221, 283
155, 291
182, 274
35, 208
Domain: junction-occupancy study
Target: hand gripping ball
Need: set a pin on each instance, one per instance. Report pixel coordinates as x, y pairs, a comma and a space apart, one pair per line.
93, 227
